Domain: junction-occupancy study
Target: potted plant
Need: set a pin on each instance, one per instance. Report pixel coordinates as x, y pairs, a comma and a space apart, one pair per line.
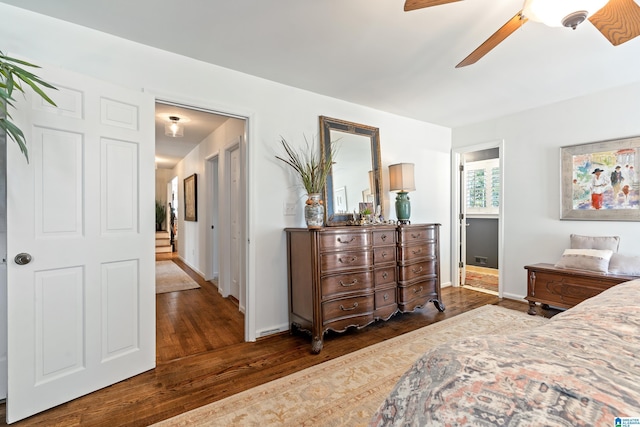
161, 214
12, 78
312, 170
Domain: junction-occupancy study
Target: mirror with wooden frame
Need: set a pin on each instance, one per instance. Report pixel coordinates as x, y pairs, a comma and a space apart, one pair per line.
355, 176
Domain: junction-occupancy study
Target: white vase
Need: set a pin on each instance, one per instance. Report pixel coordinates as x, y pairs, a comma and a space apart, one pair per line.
314, 211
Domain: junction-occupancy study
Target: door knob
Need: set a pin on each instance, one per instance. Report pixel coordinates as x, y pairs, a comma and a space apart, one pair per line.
22, 258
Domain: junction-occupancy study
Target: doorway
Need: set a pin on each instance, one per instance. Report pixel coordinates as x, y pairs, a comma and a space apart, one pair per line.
201, 247
478, 213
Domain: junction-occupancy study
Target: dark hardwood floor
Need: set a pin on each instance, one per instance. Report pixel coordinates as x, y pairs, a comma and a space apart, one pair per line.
201, 357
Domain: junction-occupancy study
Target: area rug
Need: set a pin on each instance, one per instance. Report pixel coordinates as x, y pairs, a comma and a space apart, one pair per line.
346, 391
483, 278
171, 278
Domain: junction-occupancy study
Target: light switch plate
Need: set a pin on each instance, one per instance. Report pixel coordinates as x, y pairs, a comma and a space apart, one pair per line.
289, 209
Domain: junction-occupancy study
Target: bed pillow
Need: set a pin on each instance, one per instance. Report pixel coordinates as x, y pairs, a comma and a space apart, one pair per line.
625, 265
595, 242
586, 259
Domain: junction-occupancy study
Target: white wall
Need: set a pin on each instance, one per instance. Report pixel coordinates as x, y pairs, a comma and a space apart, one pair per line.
273, 110
163, 177
533, 231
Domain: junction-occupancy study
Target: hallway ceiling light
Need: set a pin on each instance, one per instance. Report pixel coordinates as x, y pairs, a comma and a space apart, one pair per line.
174, 129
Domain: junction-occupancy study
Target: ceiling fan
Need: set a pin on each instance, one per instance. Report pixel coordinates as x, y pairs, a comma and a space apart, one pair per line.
617, 20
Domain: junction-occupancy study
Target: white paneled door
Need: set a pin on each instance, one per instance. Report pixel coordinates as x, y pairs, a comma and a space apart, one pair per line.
81, 311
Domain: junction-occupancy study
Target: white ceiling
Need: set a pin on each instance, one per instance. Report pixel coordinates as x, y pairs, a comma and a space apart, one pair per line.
197, 126
373, 53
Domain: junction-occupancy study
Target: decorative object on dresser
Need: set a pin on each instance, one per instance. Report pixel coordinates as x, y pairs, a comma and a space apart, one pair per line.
401, 179
355, 174
343, 277
312, 169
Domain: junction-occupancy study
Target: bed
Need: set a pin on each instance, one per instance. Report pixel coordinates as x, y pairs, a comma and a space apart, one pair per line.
582, 368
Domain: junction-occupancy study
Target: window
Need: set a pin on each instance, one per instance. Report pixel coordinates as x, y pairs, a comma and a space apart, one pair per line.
482, 187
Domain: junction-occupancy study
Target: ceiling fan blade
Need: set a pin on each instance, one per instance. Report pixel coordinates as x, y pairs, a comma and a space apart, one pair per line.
618, 21
505, 31
419, 4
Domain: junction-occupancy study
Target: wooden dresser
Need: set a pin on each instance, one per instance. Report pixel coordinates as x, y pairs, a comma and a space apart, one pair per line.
341, 277
564, 288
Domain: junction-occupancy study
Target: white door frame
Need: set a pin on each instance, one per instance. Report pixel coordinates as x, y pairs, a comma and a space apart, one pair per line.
212, 180
456, 235
225, 221
248, 251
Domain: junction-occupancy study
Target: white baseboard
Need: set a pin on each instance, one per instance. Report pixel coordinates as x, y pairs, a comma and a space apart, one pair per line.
270, 331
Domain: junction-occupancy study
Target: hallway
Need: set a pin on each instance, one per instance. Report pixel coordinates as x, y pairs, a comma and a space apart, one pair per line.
194, 321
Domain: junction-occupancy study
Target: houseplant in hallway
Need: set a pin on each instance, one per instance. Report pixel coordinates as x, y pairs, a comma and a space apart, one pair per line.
161, 215
12, 78
312, 170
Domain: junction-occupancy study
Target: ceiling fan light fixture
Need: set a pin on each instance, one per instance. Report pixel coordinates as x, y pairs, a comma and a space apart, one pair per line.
173, 128
565, 13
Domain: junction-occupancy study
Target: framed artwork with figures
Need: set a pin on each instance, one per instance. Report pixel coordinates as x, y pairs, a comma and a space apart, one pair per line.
599, 180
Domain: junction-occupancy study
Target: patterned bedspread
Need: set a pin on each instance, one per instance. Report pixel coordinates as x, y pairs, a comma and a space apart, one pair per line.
582, 368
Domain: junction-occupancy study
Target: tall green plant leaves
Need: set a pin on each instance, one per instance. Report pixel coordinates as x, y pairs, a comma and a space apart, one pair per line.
308, 163
13, 77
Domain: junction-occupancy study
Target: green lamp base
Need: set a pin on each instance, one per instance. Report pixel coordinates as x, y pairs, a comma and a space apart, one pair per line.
403, 208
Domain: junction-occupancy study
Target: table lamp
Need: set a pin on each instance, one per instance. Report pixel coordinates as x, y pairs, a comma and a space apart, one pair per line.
401, 179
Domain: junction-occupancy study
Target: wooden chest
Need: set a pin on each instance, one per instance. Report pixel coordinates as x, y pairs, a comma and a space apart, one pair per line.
564, 288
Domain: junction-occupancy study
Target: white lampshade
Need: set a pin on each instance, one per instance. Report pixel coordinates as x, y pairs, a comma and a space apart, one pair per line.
554, 12
401, 177
174, 129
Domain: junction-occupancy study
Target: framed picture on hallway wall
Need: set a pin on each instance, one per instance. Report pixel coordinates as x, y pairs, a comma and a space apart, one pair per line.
191, 198
600, 181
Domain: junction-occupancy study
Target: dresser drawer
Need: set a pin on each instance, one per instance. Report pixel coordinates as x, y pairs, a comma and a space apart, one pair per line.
355, 240
408, 234
344, 308
416, 291
384, 255
385, 297
411, 252
337, 261
384, 276
343, 283
384, 237
419, 269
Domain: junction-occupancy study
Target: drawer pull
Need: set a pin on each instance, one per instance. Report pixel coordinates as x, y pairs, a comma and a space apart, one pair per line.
355, 305
415, 236
416, 252
384, 254
346, 285
345, 242
385, 297
417, 270
385, 275
417, 291
383, 237
349, 261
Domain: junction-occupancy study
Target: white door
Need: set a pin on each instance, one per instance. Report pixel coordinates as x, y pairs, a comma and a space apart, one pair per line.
462, 223
236, 224
81, 313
